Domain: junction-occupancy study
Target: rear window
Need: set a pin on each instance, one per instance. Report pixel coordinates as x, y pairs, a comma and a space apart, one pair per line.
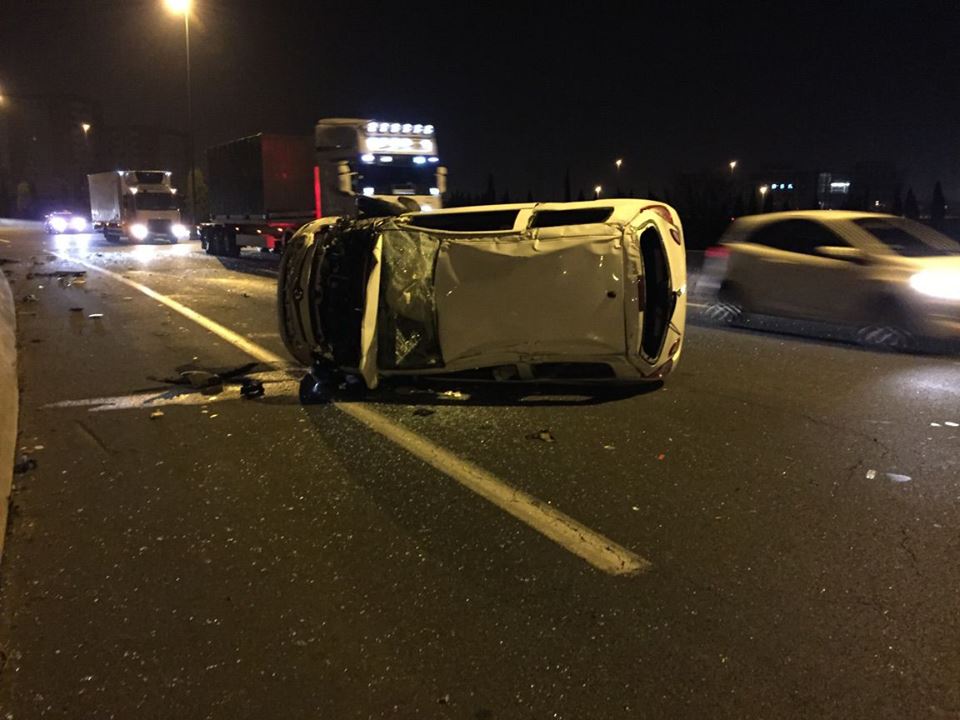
909, 238
490, 220
558, 218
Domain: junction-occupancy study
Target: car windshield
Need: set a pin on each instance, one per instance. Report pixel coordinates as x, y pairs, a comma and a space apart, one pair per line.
909, 238
155, 201
398, 179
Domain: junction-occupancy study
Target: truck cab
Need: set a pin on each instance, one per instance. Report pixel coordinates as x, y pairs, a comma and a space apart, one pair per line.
136, 205
392, 161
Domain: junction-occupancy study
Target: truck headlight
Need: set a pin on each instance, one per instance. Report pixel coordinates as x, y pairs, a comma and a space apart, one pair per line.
139, 231
943, 284
180, 231
78, 224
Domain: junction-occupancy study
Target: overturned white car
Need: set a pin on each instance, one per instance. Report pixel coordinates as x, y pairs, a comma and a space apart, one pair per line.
572, 292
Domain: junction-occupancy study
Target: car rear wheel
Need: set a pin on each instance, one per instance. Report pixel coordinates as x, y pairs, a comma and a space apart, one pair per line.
728, 309
891, 330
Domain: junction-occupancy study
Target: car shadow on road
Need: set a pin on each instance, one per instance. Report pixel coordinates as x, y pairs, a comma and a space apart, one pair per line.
426, 393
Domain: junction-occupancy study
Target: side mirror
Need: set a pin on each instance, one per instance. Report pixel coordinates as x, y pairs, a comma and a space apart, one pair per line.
848, 254
345, 178
442, 180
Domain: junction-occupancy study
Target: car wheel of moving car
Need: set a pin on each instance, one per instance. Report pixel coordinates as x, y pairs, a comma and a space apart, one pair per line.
892, 329
728, 309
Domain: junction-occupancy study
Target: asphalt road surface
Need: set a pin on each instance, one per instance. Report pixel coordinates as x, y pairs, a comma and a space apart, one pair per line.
785, 510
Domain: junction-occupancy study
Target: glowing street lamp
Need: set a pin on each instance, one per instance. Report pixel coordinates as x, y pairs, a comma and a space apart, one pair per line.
618, 163
86, 127
183, 7
596, 191
733, 165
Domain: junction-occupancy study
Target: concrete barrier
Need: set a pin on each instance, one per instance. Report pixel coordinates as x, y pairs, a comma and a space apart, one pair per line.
9, 399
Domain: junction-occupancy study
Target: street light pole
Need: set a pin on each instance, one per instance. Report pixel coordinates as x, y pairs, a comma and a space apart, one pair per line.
183, 7
192, 176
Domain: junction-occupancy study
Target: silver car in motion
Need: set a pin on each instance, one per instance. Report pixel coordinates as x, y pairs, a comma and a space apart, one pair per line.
895, 281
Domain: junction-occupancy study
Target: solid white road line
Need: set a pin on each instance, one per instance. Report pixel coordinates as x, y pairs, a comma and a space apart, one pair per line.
596, 549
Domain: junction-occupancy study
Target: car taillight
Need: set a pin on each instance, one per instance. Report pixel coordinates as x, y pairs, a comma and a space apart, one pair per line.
717, 251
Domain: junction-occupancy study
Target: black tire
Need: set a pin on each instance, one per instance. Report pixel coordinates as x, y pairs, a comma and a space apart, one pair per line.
215, 242
230, 247
890, 328
729, 308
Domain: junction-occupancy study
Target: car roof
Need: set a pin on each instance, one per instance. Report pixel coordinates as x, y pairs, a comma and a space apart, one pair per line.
825, 216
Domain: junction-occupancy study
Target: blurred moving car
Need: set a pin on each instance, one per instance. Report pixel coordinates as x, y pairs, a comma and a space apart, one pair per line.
64, 221
586, 291
895, 281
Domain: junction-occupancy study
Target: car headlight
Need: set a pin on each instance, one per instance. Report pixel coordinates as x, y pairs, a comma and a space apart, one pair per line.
139, 231
180, 231
78, 224
943, 284
58, 224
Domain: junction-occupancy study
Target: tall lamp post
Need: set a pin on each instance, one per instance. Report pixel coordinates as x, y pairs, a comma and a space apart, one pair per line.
182, 7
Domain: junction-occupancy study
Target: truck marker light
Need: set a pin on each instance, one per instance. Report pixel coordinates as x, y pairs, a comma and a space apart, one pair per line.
317, 205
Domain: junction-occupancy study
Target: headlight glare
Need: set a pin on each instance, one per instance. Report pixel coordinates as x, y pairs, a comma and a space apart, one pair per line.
58, 224
139, 231
78, 224
943, 284
180, 231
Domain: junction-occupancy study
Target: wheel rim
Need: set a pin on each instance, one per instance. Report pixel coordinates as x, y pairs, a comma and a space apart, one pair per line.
725, 312
886, 337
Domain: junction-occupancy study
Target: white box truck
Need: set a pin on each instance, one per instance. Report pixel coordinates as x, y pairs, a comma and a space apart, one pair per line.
135, 205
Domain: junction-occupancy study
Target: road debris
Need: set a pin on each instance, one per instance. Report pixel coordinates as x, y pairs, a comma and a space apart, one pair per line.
895, 477
156, 414
424, 412
95, 316
661, 456
543, 435
871, 474
31, 298
251, 389
454, 395
609, 447
951, 423
24, 464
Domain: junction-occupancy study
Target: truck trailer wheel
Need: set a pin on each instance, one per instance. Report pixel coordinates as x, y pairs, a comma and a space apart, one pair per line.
230, 247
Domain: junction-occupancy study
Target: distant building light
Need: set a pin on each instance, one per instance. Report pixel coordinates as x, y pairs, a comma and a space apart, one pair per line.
394, 127
372, 126
435, 191
368, 157
840, 187
384, 127
368, 191
428, 129
418, 128
407, 128
789, 186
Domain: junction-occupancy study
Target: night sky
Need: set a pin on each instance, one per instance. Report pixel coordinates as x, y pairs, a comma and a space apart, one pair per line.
524, 90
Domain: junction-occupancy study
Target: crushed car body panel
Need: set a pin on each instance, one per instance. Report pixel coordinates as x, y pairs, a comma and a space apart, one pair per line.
586, 291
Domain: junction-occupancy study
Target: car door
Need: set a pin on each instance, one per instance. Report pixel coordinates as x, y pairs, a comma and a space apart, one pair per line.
789, 277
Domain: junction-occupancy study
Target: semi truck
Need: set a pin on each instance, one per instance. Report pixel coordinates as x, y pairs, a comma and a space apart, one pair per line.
264, 187
135, 205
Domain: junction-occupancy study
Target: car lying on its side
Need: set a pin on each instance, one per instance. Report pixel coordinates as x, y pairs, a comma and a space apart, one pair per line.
64, 221
587, 291
895, 281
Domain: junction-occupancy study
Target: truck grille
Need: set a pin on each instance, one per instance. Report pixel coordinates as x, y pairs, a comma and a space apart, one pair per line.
160, 227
